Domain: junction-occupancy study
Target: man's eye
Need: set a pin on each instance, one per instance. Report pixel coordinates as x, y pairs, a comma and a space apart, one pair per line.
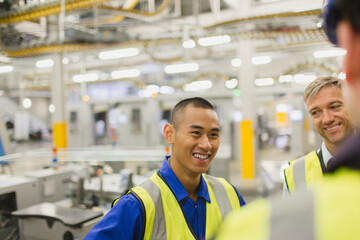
214, 135
335, 106
196, 132
314, 113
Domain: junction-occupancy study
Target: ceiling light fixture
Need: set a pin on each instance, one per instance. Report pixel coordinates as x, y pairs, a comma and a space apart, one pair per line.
197, 86
167, 90
329, 53
232, 83
304, 79
26, 103
262, 82
87, 77
128, 73
285, 78
180, 68
261, 60
214, 40
119, 53
65, 60
236, 62
189, 44
45, 63
6, 69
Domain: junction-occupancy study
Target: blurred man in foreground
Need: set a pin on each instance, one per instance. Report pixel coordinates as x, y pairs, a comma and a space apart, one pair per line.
331, 209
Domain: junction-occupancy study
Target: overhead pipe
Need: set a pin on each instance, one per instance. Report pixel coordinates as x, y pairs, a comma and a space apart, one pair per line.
46, 9
316, 34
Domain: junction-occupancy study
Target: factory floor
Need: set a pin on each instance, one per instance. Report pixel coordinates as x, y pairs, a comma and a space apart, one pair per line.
267, 180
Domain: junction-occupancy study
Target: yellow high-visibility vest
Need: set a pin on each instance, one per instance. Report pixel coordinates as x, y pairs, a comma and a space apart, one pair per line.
329, 210
164, 216
303, 172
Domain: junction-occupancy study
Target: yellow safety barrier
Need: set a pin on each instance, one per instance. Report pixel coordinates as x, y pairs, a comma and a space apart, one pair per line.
247, 149
59, 135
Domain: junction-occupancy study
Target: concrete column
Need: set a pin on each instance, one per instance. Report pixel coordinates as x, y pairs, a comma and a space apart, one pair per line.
59, 100
247, 87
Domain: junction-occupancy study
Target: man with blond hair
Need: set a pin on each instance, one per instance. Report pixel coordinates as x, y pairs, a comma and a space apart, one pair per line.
324, 101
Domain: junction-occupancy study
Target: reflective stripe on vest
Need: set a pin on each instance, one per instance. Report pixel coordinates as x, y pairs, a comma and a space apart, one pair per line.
303, 172
164, 216
300, 225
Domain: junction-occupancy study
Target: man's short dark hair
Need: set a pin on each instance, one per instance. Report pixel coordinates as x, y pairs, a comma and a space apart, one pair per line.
180, 107
338, 10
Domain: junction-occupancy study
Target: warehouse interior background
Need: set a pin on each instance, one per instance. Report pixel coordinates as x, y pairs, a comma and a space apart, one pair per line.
104, 75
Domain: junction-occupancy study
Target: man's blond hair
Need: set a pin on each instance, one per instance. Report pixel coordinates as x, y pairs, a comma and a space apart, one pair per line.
314, 87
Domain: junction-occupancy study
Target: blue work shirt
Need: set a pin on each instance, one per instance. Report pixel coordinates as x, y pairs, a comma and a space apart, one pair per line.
125, 219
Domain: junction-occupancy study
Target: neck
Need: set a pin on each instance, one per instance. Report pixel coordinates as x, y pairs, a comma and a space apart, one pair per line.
332, 148
189, 181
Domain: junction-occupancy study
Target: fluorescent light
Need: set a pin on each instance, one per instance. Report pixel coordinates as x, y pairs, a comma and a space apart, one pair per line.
304, 79
6, 69
236, 62
197, 86
261, 60
119, 53
282, 108
260, 82
51, 108
128, 73
329, 53
232, 83
296, 115
65, 60
87, 77
153, 89
167, 90
45, 63
215, 40
26, 103
285, 78
183, 67
189, 44
238, 116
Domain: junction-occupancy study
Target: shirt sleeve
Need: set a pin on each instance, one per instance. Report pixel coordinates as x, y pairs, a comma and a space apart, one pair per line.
123, 221
242, 201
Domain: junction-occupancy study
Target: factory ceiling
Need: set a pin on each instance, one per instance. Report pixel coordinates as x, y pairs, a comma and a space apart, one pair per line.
163, 32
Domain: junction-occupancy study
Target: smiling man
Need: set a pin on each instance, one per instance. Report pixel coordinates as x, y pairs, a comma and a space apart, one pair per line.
324, 101
179, 201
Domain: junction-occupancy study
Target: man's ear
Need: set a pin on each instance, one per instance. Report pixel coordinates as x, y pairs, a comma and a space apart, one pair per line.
169, 133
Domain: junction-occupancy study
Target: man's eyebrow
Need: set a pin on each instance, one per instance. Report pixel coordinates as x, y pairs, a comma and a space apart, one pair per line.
337, 101
196, 127
314, 108
201, 128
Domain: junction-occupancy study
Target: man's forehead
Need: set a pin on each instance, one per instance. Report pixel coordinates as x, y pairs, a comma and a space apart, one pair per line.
329, 94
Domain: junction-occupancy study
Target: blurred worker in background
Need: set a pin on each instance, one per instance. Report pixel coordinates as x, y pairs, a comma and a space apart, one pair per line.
324, 101
179, 201
331, 209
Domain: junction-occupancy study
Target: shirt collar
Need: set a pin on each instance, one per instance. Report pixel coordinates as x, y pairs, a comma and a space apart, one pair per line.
176, 186
325, 154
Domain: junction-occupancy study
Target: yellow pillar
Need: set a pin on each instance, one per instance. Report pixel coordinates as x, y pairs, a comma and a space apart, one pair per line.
247, 149
59, 100
247, 75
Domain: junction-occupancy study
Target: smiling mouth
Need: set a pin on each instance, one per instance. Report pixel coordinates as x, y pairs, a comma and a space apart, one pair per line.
332, 128
201, 156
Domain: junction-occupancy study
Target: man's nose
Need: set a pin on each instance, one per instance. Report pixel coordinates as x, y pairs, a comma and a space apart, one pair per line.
328, 117
205, 143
